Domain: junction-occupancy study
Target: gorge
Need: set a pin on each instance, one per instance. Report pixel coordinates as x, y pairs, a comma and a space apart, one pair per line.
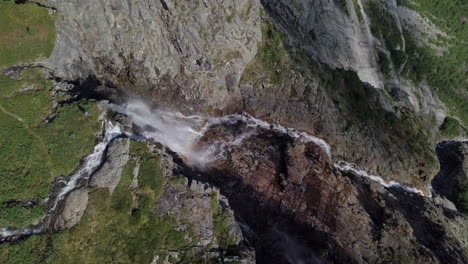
233, 131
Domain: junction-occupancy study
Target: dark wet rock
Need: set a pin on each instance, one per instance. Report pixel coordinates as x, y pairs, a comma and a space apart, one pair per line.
452, 180
280, 185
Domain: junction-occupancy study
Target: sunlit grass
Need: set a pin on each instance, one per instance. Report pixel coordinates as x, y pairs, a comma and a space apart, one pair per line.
27, 33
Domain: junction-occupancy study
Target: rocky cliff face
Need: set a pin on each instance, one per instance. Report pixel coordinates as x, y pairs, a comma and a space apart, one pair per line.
452, 180
173, 51
321, 66
339, 215
332, 68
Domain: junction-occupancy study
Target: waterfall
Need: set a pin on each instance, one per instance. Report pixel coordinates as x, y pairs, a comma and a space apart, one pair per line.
180, 133
89, 165
349, 167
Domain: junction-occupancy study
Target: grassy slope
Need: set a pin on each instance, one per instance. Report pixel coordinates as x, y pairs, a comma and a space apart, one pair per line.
28, 33
111, 230
271, 58
221, 223
446, 74
32, 153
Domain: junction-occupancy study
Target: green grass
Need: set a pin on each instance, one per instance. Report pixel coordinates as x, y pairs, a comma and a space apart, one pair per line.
32, 105
112, 230
28, 33
451, 128
17, 215
445, 75
269, 64
25, 169
71, 135
221, 223
32, 152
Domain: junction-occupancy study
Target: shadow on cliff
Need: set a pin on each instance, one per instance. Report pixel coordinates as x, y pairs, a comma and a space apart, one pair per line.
276, 234
384, 209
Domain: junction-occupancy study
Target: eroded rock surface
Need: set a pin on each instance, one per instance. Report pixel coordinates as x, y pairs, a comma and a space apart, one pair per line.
338, 216
73, 210
452, 180
195, 56
108, 176
180, 51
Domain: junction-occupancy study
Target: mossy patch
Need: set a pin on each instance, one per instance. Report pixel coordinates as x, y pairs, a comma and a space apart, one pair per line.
71, 135
28, 33
115, 227
451, 128
462, 200
363, 102
269, 64
221, 223
32, 152
447, 75
19, 215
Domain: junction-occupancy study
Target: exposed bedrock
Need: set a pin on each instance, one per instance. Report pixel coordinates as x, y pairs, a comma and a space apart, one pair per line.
452, 180
209, 56
180, 51
288, 190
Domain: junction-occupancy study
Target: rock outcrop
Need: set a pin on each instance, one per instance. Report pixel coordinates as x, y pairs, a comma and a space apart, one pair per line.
337, 216
323, 67
173, 51
452, 180
196, 55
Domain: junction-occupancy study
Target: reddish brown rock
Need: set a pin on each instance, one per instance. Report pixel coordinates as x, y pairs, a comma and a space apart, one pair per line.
281, 186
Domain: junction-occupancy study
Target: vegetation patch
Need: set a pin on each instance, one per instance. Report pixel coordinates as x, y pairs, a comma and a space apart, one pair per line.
32, 152
447, 75
271, 60
28, 33
221, 223
358, 10
451, 128
362, 102
383, 25
462, 200
71, 135
118, 227
19, 215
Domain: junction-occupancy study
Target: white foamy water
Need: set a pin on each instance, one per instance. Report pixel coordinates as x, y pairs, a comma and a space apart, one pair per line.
90, 163
253, 122
172, 129
6, 233
180, 133
349, 167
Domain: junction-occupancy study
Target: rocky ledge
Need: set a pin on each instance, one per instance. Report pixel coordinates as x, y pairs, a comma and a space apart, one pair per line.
452, 180
288, 192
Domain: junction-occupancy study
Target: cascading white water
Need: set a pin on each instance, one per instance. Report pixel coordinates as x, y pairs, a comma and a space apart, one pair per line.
171, 129
180, 133
90, 164
349, 167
